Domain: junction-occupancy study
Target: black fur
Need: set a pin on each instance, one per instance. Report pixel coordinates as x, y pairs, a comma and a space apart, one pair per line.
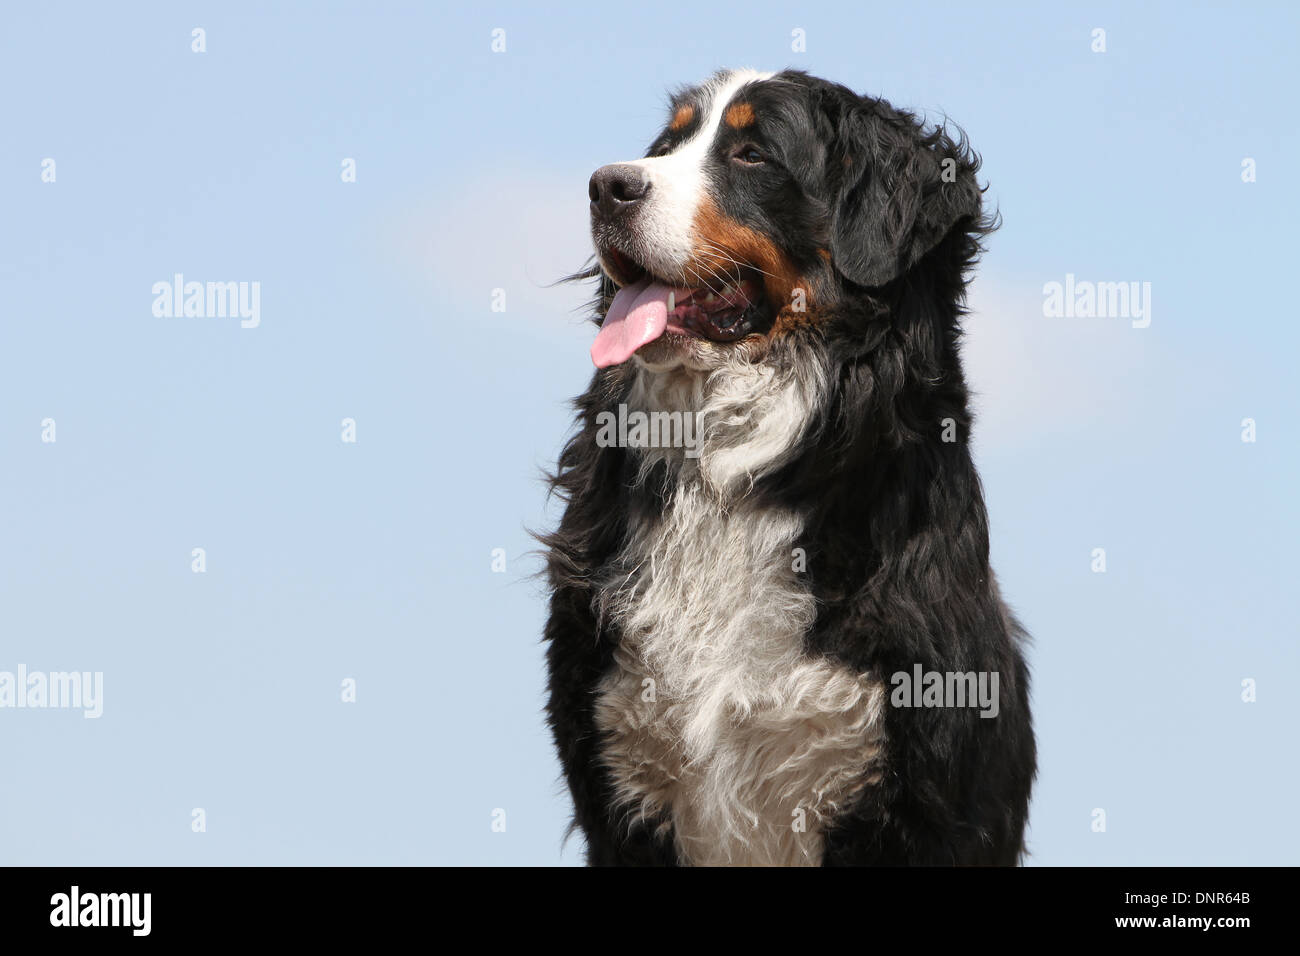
897, 543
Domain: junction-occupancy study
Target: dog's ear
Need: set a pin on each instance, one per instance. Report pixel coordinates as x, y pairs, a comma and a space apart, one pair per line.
900, 192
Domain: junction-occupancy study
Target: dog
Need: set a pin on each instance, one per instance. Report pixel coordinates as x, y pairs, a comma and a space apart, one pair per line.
763, 647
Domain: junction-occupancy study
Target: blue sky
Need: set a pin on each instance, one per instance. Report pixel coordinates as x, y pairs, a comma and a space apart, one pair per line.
372, 561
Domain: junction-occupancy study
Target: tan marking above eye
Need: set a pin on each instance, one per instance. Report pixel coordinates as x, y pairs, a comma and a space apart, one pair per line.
740, 115
682, 118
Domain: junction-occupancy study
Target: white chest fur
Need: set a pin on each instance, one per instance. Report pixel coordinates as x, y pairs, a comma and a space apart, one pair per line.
714, 716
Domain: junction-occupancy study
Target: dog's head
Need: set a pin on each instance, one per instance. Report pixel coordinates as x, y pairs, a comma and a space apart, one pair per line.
764, 199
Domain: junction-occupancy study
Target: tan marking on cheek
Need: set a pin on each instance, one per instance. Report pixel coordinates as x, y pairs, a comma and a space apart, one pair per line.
740, 116
721, 237
682, 118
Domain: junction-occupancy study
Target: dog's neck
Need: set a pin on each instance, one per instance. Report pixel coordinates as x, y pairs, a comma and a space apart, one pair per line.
751, 419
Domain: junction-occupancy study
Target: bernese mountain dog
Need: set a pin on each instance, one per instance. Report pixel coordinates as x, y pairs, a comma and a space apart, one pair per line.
774, 636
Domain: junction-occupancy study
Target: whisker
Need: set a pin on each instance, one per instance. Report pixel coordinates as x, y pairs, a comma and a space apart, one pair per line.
724, 253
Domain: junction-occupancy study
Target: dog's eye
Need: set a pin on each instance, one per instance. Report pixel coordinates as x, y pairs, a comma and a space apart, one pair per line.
750, 156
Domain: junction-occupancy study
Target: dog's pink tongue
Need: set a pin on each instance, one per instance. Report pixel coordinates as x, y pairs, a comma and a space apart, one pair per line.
638, 314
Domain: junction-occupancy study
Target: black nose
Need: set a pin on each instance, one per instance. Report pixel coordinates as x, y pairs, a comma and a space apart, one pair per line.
617, 189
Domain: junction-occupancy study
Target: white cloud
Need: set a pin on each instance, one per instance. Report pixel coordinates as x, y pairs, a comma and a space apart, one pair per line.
1031, 374
503, 231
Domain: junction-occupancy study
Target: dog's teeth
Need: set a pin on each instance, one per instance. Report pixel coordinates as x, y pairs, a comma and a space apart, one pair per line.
672, 301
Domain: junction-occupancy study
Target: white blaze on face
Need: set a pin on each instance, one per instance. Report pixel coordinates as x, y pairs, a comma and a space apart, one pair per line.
678, 181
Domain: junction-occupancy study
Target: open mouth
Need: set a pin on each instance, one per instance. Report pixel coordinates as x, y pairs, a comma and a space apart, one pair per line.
726, 309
